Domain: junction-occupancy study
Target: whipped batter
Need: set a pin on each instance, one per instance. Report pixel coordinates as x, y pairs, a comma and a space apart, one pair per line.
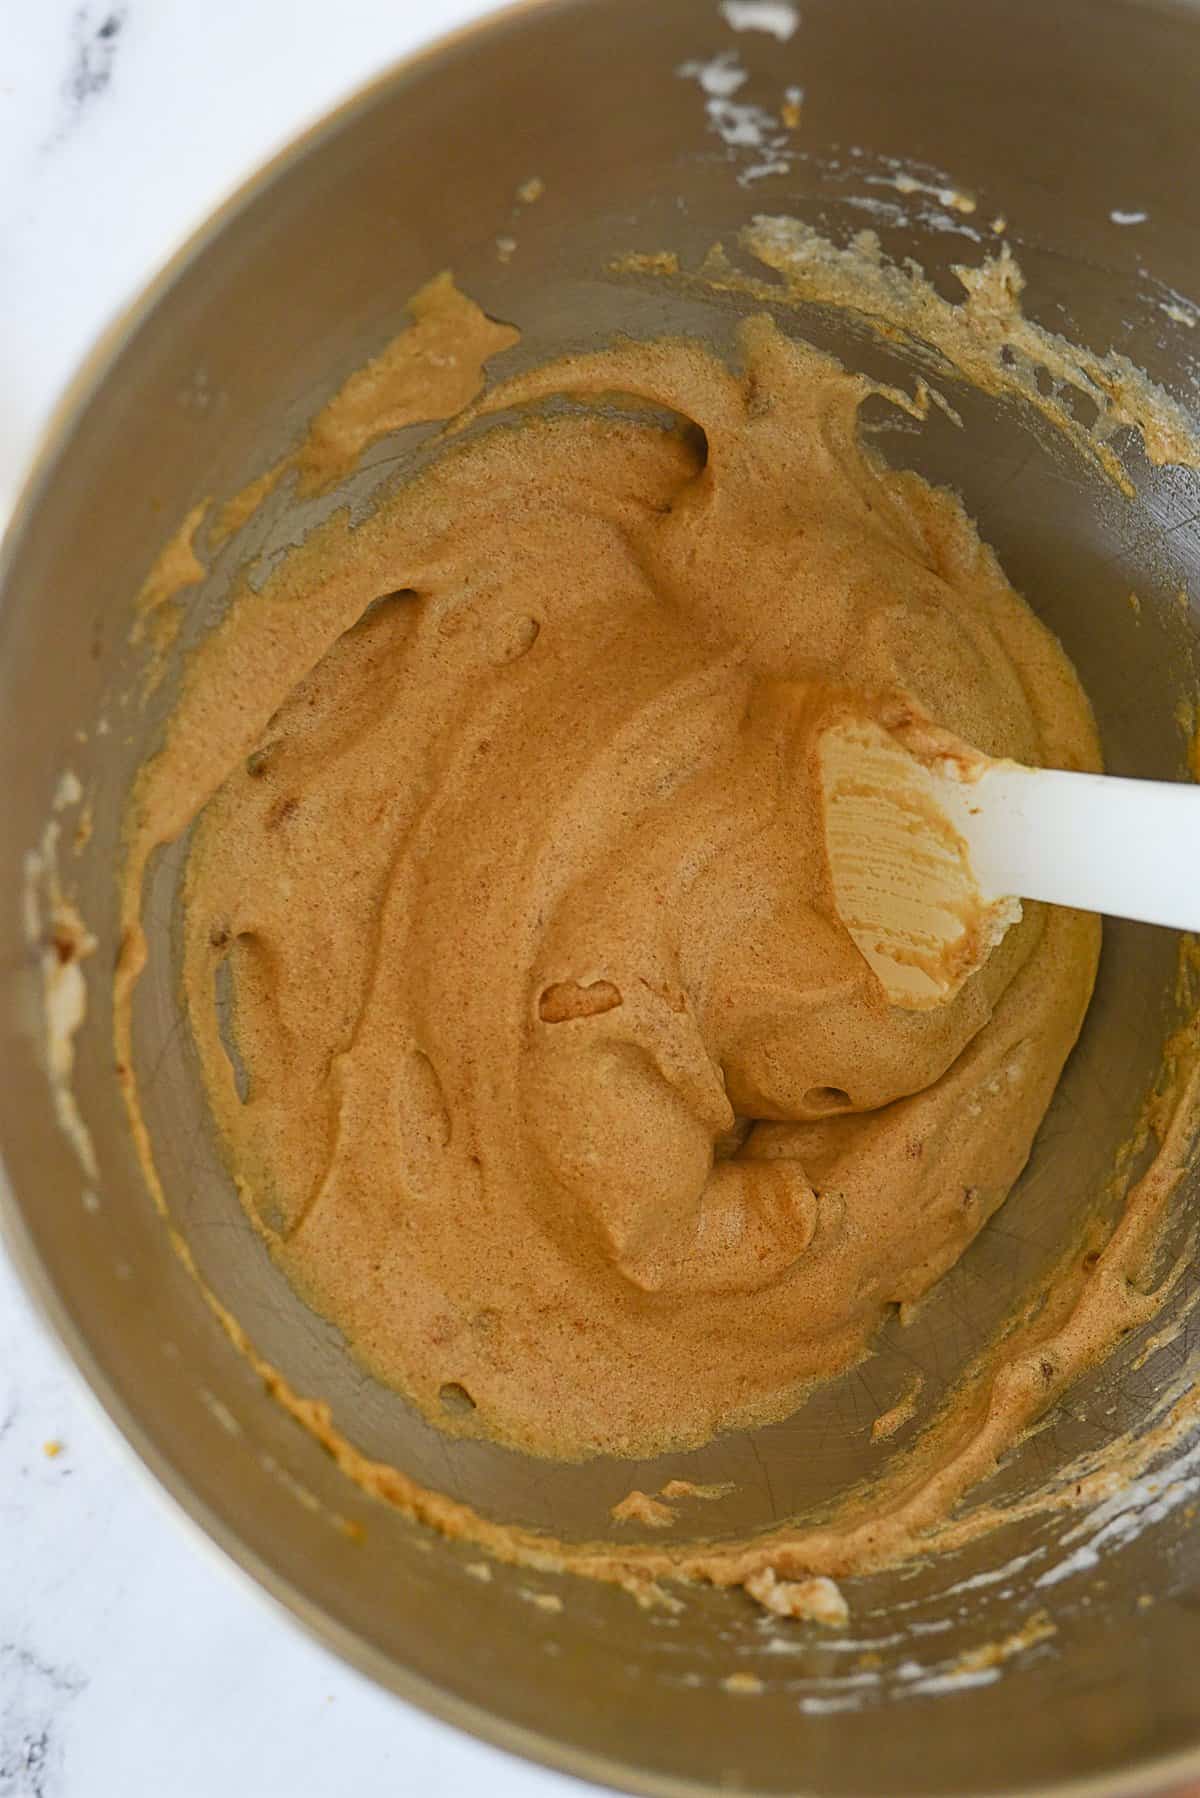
549, 1069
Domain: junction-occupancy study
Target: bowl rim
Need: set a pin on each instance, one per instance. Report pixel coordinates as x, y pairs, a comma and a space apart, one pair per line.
203, 1526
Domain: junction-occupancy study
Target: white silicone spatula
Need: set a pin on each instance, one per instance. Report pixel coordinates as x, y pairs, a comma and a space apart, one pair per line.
928, 858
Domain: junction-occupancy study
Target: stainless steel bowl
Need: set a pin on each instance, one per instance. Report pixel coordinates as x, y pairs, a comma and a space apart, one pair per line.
1055, 117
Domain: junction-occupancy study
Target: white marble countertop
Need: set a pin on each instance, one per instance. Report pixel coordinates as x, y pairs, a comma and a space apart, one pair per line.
132, 1660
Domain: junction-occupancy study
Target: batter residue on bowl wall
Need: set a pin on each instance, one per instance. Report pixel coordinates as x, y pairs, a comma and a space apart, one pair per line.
550, 1073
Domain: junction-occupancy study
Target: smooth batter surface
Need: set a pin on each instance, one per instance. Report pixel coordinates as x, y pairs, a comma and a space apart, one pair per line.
547, 1064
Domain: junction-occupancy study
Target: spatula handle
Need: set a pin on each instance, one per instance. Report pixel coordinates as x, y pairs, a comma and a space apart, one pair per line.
1130, 848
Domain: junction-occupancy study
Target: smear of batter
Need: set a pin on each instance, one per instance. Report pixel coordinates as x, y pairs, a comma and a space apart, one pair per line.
542, 1056
902, 876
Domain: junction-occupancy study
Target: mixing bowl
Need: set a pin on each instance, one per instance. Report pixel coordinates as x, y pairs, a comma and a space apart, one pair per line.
1055, 1654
